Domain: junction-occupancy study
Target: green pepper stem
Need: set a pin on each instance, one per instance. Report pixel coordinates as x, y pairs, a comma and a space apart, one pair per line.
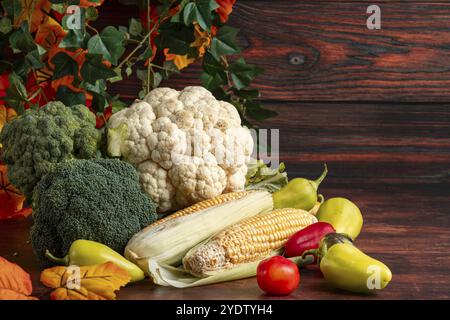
61, 261
322, 176
304, 261
320, 198
311, 252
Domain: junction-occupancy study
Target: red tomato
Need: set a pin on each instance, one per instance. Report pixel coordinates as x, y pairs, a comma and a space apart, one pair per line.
277, 275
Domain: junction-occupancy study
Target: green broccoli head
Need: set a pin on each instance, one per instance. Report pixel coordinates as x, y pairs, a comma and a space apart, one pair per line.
36, 141
99, 200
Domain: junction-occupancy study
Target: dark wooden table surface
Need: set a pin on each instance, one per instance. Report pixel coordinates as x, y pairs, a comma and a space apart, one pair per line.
372, 104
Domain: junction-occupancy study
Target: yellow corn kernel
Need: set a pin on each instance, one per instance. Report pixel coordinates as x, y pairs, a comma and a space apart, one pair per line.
253, 239
226, 197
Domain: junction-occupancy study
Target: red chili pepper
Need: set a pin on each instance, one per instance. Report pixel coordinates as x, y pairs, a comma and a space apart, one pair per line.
307, 239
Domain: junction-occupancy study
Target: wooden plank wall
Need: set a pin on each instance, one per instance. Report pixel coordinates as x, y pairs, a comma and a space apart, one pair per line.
373, 104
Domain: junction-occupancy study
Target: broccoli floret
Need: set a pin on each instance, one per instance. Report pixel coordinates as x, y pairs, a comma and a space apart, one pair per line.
36, 141
98, 200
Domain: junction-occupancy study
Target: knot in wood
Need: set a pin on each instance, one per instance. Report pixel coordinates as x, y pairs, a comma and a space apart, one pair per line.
296, 59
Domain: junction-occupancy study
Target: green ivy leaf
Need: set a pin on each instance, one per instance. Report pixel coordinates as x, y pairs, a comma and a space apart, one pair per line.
21, 67
189, 13
247, 94
211, 65
34, 59
177, 17
242, 73
12, 7
64, 65
118, 76
204, 9
96, 45
257, 112
21, 39
58, 7
199, 12
93, 69
91, 14
109, 43
176, 37
123, 30
16, 94
146, 54
74, 39
99, 102
98, 87
169, 68
221, 94
114, 41
142, 75
135, 28
118, 105
225, 42
155, 79
5, 25
213, 81
69, 97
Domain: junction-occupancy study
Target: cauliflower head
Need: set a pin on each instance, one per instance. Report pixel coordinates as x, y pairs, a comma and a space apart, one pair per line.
36, 141
186, 145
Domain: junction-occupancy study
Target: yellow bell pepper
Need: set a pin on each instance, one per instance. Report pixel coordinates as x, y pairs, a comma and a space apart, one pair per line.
87, 253
346, 267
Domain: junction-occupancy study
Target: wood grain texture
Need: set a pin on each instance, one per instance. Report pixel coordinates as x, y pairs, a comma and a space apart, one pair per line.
315, 51
390, 143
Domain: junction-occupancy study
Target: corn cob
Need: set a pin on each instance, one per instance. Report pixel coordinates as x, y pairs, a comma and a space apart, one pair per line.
167, 240
205, 204
247, 241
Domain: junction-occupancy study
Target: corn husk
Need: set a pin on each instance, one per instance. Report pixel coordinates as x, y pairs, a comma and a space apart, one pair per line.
168, 242
166, 275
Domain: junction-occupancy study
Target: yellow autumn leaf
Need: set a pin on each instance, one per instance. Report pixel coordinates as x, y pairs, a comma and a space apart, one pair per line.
32, 11
202, 40
179, 61
6, 115
97, 282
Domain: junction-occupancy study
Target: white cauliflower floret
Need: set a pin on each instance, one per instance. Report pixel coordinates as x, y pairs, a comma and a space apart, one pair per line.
196, 182
186, 145
155, 181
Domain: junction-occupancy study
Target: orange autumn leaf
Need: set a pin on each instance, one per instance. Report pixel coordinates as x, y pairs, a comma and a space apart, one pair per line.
49, 33
11, 200
87, 3
225, 8
6, 115
33, 11
79, 56
97, 282
15, 283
